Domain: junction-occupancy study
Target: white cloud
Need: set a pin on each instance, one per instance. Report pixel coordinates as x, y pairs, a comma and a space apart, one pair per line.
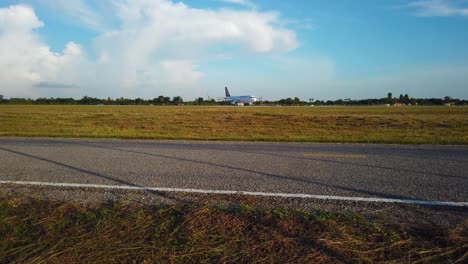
438, 8
155, 49
245, 3
177, 24
174, 69
156, 31
24, 59
18, 18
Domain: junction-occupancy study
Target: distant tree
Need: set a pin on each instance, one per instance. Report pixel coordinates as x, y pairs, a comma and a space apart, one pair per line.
1, 97
406, 99
140, 101
389, 98
177, 100
287, 101
122, 101
20, 101
160, 100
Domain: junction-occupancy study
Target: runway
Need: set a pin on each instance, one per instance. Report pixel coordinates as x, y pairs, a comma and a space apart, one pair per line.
363, 173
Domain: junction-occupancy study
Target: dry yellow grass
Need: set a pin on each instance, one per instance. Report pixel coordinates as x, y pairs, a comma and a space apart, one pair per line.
428, 125
45, 231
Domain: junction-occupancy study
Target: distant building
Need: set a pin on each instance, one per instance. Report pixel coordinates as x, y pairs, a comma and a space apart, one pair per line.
398, 104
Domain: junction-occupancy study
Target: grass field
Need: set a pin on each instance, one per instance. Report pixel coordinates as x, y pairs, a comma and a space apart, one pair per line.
418, 125
35, 230
45, 231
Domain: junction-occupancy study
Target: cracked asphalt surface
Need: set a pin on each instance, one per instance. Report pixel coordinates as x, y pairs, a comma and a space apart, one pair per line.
421, 172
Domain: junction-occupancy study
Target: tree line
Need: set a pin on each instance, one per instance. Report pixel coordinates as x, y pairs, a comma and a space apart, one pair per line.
389, 100
177, 100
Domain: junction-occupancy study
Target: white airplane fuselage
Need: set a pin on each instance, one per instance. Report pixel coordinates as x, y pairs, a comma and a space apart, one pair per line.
244, 99
239, 100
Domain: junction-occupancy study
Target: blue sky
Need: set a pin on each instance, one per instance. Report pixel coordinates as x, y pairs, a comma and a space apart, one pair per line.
269, 48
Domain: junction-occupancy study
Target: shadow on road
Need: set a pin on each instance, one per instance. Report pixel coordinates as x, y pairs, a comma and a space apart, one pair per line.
214, 147
276, 176
95, 174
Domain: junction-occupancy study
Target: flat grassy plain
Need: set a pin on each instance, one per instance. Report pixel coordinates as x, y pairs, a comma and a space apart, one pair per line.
36, 230
45, 231
407, 125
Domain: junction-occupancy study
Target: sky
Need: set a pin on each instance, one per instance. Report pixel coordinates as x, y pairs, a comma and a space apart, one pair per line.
269, 48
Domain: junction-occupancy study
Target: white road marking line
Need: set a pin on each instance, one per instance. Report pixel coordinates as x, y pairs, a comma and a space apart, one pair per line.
265, 194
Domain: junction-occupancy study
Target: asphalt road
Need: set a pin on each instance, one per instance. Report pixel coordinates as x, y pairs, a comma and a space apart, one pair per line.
429, 173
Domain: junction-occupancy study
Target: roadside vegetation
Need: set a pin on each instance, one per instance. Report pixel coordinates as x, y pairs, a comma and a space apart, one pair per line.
296, 101
37, 231
414, 125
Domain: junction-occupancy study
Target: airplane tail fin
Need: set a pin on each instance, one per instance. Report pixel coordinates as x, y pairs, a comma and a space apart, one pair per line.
227, 92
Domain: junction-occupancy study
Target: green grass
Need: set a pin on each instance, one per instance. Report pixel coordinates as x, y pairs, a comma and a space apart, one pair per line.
407, 125
37, 231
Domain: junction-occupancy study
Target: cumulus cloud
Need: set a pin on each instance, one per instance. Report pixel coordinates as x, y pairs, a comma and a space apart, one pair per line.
438, 8
24, 59
157, 46
162, 36
175, 23
18, 18
173, 69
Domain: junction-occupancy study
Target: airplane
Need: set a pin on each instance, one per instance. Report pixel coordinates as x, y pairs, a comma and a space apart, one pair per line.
239, 100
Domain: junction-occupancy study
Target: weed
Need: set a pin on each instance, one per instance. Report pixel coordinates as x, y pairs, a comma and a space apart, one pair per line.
407, 125
36, 231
